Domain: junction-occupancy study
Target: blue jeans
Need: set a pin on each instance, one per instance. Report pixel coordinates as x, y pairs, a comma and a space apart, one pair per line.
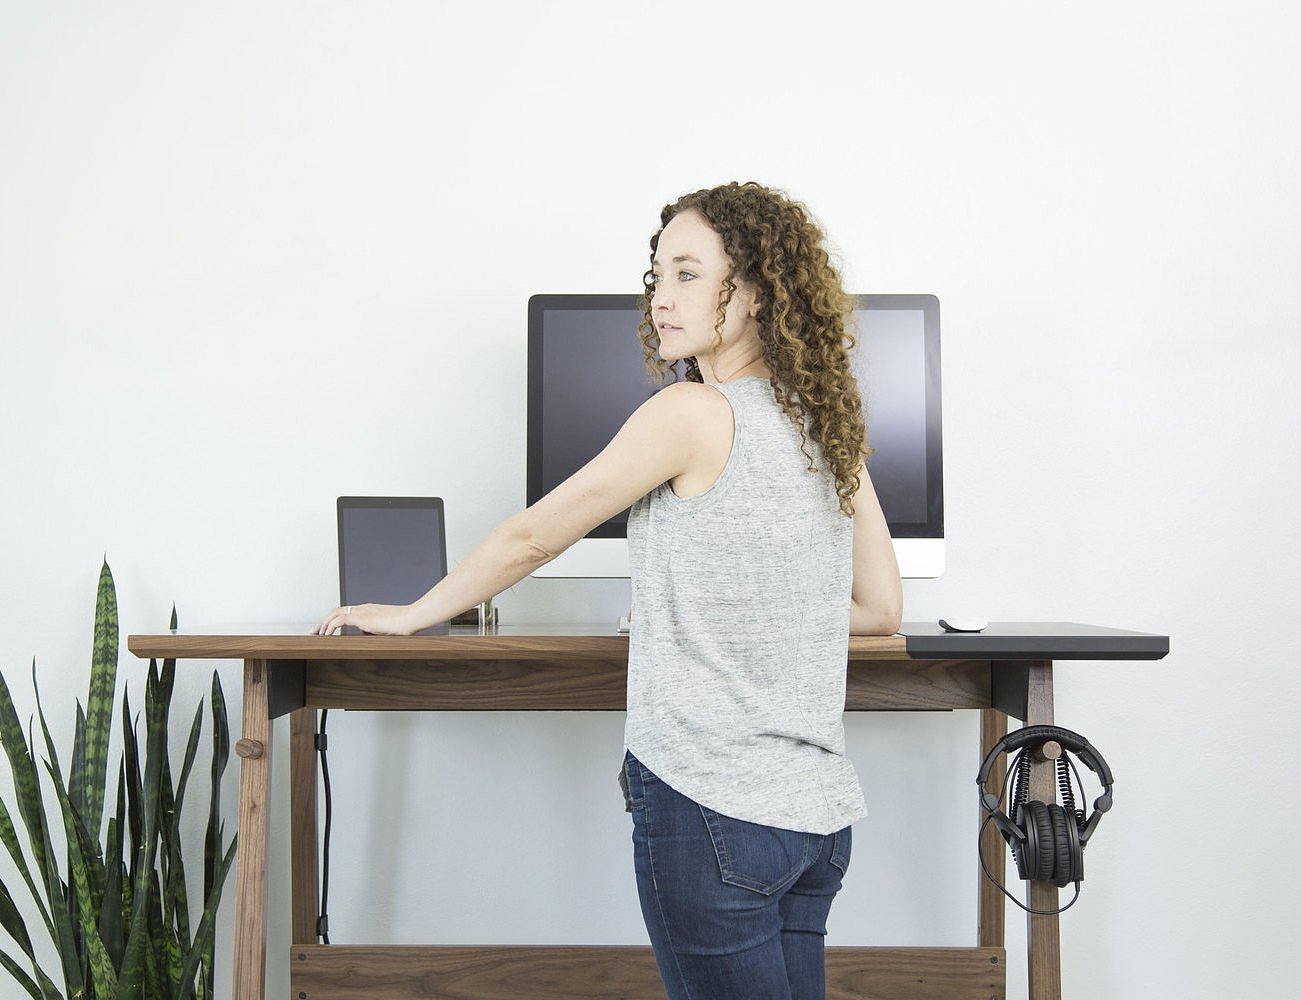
735, 910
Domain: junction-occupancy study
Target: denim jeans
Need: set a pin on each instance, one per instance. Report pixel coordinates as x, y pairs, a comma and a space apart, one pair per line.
735, 910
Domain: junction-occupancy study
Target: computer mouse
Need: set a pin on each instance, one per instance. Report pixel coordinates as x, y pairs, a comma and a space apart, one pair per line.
963, 623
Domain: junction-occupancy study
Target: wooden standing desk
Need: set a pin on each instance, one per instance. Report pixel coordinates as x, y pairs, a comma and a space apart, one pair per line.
1004, 671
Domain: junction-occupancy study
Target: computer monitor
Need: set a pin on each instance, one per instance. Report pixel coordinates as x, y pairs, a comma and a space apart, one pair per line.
586, 375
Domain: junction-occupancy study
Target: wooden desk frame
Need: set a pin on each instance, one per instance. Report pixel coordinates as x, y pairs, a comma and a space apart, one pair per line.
564, 669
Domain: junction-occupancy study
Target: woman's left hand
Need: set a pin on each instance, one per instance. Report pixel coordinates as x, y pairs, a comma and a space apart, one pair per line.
378, 619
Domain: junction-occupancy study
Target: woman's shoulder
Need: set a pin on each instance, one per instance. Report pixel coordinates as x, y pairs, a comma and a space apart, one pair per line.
692, 400
697, 414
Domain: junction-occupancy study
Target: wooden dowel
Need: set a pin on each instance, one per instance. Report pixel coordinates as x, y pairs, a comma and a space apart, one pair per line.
1047, 751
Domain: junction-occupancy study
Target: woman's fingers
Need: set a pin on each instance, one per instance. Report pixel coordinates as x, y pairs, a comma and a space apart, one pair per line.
334, 621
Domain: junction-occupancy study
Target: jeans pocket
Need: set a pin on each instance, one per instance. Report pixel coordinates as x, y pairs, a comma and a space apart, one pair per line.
765, 859
633, 779
841, 845
623, 787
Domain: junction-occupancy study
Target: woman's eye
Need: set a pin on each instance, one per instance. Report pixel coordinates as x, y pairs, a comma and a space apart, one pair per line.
685, 275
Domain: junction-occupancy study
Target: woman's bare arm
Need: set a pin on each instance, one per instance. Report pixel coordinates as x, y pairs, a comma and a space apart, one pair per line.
876, 607
657, 443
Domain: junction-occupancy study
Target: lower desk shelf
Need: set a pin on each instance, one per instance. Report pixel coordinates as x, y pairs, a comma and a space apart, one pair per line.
344, 972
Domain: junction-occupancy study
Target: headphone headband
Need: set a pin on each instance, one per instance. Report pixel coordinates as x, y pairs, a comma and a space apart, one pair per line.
1036, 735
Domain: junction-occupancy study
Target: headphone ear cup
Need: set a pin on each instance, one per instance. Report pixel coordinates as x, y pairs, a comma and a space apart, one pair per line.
1040, 865
1037, 859
1063, 862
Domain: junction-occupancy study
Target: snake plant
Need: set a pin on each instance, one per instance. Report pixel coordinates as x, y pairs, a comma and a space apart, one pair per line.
116, 909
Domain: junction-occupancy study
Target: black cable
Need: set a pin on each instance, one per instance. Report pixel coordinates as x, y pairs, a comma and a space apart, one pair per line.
322, 920
1041, 913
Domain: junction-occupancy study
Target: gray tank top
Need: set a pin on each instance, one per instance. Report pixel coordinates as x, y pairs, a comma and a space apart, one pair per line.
740, 631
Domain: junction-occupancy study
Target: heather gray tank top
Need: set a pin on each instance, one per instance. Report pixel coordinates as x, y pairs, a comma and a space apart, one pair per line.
740, 631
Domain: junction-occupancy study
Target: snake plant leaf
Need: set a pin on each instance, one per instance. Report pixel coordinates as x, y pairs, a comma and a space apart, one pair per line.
23, 771
175, 921
12, 921
22, 978
135, 796
59, 894
116, 903
101, 972
31, 806
156, 762
46, 990
205, 932
176, 900
155, 963
10, 837
166, 682
212, 878
220, 757
83, 851
191, 750
81, 845
77, 767
74, 912
17, 929
170, 960
131, 972
99, 700
138, 964
157, 711
52, 758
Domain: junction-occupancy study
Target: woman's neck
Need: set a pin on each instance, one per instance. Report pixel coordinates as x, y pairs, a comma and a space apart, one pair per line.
729, 369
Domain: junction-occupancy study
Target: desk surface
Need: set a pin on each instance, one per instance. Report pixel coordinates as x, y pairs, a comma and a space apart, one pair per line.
916, 640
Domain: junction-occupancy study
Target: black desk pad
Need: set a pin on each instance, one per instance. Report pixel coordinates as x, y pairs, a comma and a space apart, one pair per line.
1033, 641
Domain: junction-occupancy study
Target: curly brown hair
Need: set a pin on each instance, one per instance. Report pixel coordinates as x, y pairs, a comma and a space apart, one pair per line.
803, 318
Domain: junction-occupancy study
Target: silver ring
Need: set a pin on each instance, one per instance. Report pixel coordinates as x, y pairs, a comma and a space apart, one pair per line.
348, 610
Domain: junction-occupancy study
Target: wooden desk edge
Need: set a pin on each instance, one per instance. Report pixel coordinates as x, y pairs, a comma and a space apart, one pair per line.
578, 646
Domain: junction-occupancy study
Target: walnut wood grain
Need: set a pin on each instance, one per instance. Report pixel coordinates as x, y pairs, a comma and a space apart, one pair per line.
916, 974
601, 685
1043, 933
304, 889
520, 642
343, 972
991, 916
249, 973
903, 685
468, 685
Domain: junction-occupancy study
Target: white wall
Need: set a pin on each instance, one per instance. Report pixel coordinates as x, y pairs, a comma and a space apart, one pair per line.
257, 255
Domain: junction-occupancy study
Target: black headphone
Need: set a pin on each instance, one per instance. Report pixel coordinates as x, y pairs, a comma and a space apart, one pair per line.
1047, 839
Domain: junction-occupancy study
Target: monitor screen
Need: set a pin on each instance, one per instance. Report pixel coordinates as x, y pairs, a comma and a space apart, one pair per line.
586, 375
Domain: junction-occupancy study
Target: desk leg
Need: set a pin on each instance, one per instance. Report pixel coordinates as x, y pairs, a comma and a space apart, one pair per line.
302, 823
1042, 933
992, 914
254, 750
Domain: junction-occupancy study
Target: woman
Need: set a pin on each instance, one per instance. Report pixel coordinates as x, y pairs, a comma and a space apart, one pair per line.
757, 546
